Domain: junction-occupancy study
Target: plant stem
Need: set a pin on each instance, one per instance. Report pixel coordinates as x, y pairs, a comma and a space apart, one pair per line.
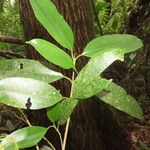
60, 137
28, 122
65, 135
37, 147
68, 79
78, 57
50, 144
19, 117
68, 121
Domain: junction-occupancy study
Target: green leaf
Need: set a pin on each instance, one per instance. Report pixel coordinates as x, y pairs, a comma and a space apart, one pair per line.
52, 53
46, 12
117, 97
28, 93
126, 42
28, 69
62, 111
88, 82
25, 137
90, 88
13, 146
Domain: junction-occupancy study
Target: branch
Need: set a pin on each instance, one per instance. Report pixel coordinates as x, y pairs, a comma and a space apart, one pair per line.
11, 40
10, 55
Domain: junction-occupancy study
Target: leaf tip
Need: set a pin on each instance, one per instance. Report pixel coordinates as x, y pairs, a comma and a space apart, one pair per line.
28, 42
33, 41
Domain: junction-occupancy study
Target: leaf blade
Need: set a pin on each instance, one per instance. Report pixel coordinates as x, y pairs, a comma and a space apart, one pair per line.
49, 17
126, 42
52, 53
28, 69
21, 92
62, 111
118, 98
25, 137
90, 88
89, 75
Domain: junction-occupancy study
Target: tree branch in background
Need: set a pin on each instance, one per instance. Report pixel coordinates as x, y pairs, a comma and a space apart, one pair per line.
10, 55
11, 40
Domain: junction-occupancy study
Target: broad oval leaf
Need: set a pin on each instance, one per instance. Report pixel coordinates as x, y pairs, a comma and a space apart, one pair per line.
117, 97
88, 82
62, 111
52, 53
126, 42
28, 69
46, 12
28, 93
25, 137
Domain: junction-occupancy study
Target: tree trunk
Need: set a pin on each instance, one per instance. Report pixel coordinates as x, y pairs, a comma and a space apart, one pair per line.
92, 126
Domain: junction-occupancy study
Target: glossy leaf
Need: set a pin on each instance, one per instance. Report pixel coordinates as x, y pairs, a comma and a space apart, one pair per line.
62, 111
126, 42
90, 88
117, 97
11, 146
88, 82
25, 137
28, 93
52, 53
46, 12
28, 69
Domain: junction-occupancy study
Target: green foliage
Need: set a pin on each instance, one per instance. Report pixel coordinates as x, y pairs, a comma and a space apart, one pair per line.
64, 110
126, 42
53, 22
52, 53
117, 97
85, 88
24, 92
88, 83
10, 25
1, 6
28, 69
13, 146
10, 19
114, 14
24, 138
27, 86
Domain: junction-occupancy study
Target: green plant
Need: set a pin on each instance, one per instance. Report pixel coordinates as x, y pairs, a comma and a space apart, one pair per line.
9, 19
10, 26
25, 84
113, 14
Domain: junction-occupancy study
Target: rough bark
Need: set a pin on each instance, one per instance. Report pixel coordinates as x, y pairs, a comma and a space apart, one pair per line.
92, 125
